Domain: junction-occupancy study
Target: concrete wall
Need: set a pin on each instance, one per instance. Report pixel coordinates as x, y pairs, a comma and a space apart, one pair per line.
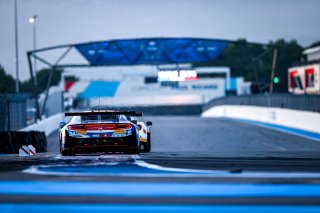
303, 120
47, 125
277, 100
55, 102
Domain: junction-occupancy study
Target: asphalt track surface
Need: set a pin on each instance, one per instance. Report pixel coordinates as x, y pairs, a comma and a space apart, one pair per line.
196, 165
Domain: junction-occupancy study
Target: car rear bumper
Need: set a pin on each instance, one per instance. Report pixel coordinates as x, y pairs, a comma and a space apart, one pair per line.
99, 149
96, 145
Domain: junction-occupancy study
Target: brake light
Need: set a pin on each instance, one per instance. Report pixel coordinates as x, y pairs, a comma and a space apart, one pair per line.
99, 126
108, 126
124, 126
76, 127
92, 127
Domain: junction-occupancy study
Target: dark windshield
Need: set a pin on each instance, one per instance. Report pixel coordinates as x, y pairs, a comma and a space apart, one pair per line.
89, 118
109, 118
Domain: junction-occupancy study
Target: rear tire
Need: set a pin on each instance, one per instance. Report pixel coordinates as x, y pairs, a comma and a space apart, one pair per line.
135, 151
147, 145
134, 144
65, 152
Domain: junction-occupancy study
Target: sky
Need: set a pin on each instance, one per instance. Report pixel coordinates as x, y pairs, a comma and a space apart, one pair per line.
72, 21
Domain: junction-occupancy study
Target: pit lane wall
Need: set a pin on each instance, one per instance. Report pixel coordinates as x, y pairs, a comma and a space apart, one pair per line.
35, 135
296, 119
47, 125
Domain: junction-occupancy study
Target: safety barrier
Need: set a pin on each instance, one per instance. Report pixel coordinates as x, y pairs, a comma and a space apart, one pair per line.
303, 120
11, 141
34, 135
47, 125
285, 101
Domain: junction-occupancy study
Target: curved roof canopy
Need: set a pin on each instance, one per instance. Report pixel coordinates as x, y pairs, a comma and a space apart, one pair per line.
151, 51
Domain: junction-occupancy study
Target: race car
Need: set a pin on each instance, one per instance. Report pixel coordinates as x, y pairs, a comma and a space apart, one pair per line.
104, 131
144, 133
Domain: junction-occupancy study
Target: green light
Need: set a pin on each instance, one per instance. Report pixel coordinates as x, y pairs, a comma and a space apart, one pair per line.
276, 80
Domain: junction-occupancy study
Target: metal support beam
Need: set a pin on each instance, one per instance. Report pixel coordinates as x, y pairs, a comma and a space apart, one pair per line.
273, 68
44, 104
41, 59
16, 44
47, 91
63, 56
35, 89
8, 127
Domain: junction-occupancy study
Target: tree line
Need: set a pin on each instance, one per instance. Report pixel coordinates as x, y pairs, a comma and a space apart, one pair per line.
7, 82
253, 61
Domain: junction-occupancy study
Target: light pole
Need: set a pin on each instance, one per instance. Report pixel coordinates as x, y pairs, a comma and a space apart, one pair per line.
33, 21
16, 44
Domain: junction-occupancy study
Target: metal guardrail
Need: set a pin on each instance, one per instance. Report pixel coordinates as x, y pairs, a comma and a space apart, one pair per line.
289, 101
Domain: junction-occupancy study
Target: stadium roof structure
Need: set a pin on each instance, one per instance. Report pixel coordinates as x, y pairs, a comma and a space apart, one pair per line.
143, 51
151, 51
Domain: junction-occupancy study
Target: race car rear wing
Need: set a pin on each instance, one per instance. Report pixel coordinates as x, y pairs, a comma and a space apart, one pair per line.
128, 113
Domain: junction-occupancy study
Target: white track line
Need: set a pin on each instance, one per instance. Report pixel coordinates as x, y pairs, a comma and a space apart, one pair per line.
167, 172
